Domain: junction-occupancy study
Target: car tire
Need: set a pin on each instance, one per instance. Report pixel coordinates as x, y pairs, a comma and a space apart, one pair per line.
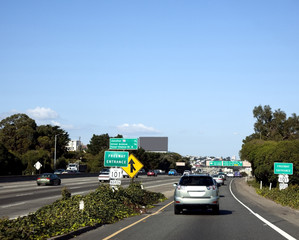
38, 184
215, 210
177, 210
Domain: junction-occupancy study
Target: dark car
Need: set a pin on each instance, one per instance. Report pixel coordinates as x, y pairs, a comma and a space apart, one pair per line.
152, 173
48, 179
59, 171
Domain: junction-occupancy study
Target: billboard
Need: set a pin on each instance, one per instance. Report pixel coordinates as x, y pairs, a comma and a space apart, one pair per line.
154, 144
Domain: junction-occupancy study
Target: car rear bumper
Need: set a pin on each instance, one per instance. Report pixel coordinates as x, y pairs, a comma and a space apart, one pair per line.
212, 201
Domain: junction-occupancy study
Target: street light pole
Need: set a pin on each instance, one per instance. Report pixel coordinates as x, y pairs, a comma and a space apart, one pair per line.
55, 152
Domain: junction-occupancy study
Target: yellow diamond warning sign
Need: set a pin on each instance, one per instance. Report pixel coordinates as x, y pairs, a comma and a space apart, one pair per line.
133, 166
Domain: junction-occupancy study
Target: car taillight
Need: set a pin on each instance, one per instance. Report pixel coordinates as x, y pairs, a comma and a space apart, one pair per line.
211, 187
48, 178
38, 178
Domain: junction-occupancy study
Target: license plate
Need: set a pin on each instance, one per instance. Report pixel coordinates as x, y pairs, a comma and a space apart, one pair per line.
196, 194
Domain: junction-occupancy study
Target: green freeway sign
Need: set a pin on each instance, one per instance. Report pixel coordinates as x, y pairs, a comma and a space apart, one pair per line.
227, 163
283, 168
215, 163
123, 143
116, 159
233, 163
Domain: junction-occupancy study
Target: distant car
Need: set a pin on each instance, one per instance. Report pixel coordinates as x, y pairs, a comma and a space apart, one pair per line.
142, 171
160, 171
219, 179
125, 175
153, 173
230, 174
104, 175
172, 172
48, 179
196, 191
59, 171
223, 174
187, 172
237, 174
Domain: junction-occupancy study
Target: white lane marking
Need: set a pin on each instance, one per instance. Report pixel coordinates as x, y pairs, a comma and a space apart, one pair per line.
277, 229
23, 194
13, 205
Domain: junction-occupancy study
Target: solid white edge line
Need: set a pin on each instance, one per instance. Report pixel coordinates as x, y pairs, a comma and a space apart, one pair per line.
277, 229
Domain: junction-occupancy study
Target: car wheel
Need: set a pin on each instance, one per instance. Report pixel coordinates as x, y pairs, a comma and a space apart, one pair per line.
59, 182
177, 210
38, 184
216, 209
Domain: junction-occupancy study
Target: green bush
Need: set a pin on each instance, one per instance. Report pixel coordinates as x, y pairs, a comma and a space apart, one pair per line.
102, 206
286, 197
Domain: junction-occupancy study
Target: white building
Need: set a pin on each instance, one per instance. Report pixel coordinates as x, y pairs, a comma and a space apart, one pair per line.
74, 145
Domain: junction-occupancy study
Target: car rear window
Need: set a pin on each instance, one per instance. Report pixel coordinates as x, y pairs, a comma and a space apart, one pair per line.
196, 181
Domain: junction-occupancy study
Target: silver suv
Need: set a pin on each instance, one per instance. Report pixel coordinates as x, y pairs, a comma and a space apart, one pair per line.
196, 191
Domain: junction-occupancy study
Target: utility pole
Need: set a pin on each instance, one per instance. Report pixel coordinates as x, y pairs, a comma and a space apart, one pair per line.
55, 151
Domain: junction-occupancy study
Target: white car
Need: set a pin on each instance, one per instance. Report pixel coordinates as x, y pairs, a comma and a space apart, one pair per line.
230, 174
187, 172
196, 191
219, 179
104, 175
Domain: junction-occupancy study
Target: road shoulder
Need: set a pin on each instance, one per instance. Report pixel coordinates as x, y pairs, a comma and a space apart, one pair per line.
287, 213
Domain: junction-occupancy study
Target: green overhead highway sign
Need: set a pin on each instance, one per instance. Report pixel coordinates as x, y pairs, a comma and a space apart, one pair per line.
233, 163
116, 159
215, 163
227, 163
123, 143
283, 168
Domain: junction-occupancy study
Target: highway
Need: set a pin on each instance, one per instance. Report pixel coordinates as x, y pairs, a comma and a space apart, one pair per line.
243, 215
21, 198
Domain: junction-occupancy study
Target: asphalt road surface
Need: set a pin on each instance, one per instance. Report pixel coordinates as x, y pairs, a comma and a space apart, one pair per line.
243, 214
235, 221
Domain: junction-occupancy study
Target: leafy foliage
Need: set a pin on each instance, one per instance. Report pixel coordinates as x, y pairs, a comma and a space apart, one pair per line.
26, 141
102, 206
276, 139
18, 133
9, 163
262, 155
286, 197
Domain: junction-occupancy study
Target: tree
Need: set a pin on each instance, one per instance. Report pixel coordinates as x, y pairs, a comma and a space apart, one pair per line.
99, 143
275, 126
9, 164
46, 140
18, 133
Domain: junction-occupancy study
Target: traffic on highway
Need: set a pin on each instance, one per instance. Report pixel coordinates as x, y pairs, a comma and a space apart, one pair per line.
240, 215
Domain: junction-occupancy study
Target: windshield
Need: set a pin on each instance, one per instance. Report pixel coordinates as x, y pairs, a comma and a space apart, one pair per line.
196, 181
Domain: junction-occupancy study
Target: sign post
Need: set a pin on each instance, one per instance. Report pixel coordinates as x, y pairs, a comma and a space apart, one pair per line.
284, 170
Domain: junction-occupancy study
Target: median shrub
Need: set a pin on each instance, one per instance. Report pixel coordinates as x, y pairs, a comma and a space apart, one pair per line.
103, 206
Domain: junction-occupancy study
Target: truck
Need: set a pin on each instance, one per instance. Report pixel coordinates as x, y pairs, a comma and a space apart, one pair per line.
76, 167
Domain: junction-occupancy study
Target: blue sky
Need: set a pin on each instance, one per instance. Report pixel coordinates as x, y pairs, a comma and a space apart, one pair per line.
189, 70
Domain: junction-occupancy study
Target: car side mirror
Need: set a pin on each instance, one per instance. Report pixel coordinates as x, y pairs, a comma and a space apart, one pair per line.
175, 184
